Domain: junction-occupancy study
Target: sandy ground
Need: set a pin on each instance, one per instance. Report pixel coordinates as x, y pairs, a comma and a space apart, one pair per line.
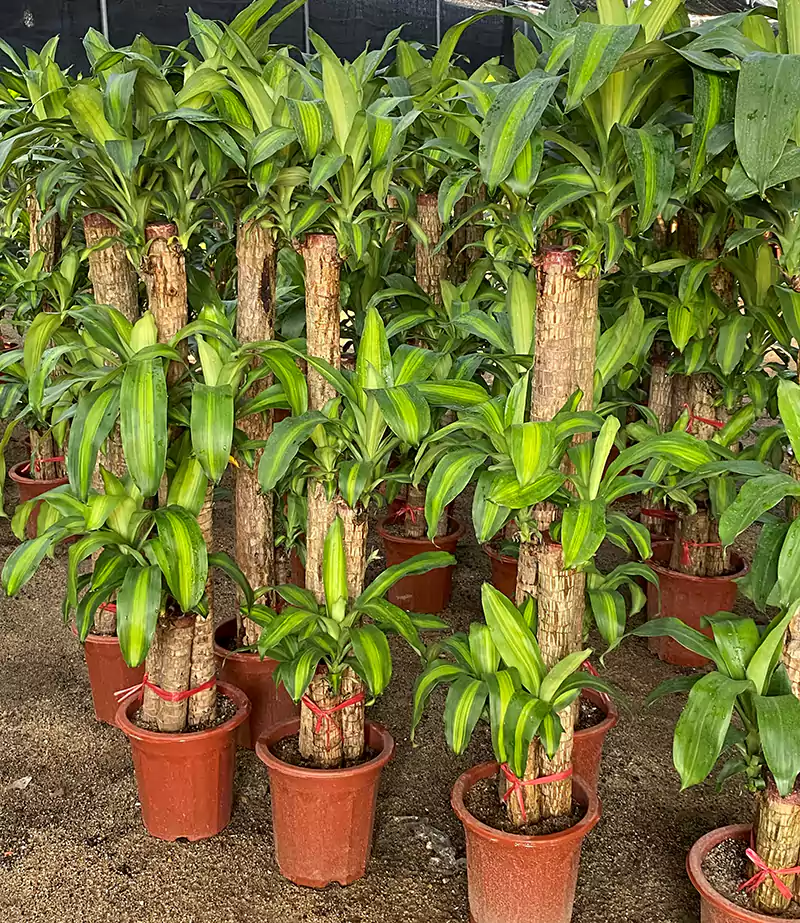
73, 849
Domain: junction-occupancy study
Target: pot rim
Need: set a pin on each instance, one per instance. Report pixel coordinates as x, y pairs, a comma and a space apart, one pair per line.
581, 793
694, 869
18, 475
493, 553
456, 533
611, 719
290, 728
742, 567
142, 735
238, 656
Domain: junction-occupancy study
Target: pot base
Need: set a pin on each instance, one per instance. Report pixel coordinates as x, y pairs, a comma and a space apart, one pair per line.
185, 781
714, 908
322, 819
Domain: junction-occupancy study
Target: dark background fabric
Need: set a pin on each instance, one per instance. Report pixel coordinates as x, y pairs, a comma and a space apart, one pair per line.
346, 24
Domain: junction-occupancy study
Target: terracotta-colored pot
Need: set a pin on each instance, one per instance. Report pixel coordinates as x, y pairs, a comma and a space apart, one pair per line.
269, 704
280, 413
587, 745
29, 488
422, 592
504, 571
714, 908
521, 879
108, 673
185, 781
687, 598
322, 819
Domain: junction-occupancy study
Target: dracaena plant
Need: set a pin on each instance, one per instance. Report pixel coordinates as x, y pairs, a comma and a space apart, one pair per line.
326, 650
700, 496
146, 560
496, 673
745, 710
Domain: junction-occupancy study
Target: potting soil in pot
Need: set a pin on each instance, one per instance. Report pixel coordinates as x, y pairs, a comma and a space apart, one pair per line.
483, 802
589, 715
727, 868
288, 751
226, 709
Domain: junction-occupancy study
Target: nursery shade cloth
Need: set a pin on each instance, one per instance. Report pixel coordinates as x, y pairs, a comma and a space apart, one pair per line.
346, 24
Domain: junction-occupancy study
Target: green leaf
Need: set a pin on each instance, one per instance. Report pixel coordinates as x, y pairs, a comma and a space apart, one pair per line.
789, 411
143, 423
703, 725
597, 50
371, 650
583, 528
212, 427
510, 122
732, 340
555, 678
767, 98
297, 674
713, 101
763, 576
283, 445
188, 486
651, 155
756, 496
339, 91
779, 729
432, 676
673, 685
450, 477
736, 639
485, 655
406, 412
521, 309
393, 618
619, 343
679, 631
93, 421
513, 638
285, 624
602, 449
419, 564
138, 606
185, 554
312, 122
502, 685
465, 702
521, 723
487, 517
334, 570
23, 562
530, 446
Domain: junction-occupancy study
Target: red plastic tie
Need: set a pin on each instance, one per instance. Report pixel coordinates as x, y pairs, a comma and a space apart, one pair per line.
763, 872
43, 461
717, 424
666, 515
590, 668
686, 544
326, 714
410, 511
518, 784
123, 694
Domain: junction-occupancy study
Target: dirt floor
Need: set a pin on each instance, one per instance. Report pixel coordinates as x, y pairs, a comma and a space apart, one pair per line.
73, 849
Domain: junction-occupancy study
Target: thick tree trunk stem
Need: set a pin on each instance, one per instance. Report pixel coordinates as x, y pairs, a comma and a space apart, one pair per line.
777, 842
323, 312
696, 548
203, 705
176, 635
255, 321
431, 267
113, 278
164, 273
44, 235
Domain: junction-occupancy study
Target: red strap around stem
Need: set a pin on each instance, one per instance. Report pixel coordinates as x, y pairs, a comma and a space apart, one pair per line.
410, 511
763, 872
686, 544
666, 515
717, 424
518, 784
37, 464
326, 714
590, 668
131, 691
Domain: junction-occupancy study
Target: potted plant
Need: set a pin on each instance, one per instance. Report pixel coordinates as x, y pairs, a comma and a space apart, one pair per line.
325, 766
750, 682
522, 849
151, 563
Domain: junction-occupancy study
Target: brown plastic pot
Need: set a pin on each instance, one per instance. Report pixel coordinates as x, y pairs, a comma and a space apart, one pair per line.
688, 598
269, 704
714, 908
185, 781
422, 592
108, 673
587, 745
504, 571
322, 819
521, 879
29, 488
